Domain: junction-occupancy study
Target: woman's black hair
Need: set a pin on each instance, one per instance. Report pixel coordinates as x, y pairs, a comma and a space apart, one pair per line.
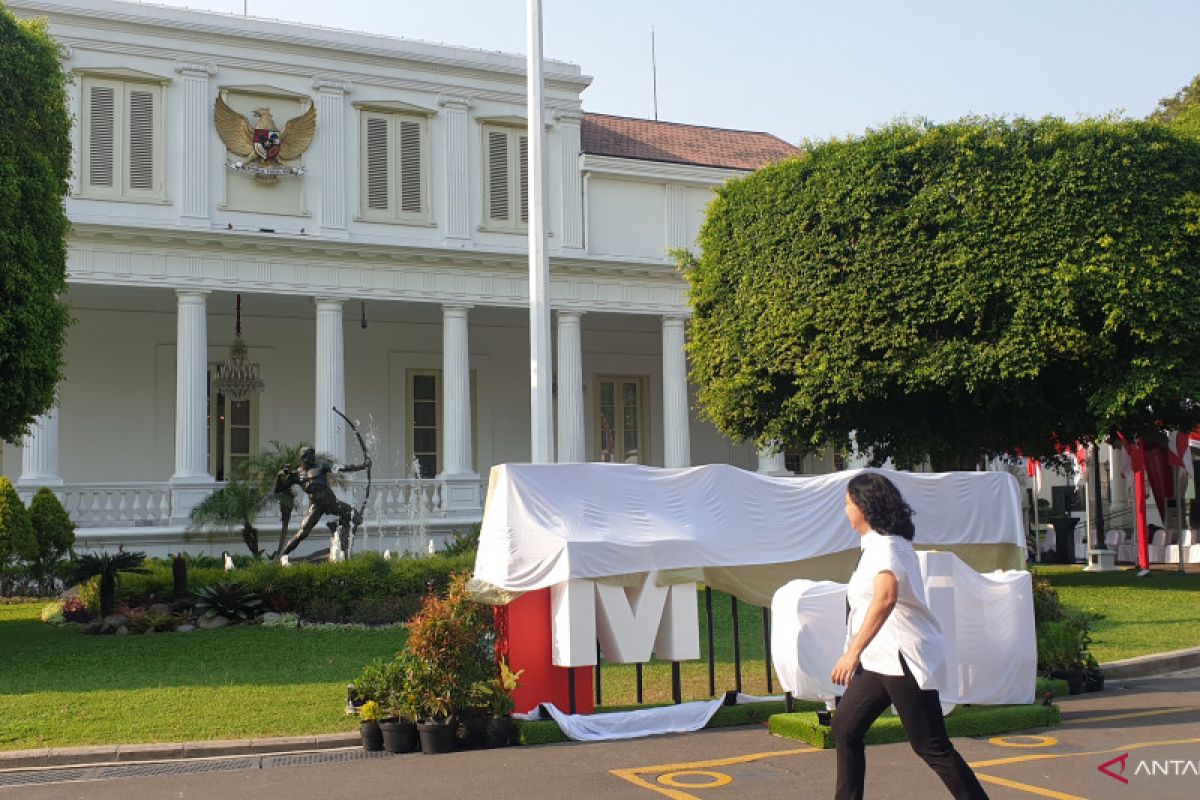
882, 505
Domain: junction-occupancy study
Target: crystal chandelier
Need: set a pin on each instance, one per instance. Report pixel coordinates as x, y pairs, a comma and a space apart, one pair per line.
237, 378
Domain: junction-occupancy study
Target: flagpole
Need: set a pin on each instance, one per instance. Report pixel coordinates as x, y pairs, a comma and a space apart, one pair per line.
1037, 526
541, 434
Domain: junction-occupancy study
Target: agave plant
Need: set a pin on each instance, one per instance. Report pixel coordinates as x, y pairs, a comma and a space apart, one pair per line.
228, 599
106, 565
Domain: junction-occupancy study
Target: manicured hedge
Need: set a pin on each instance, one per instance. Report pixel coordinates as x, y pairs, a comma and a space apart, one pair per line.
366, 588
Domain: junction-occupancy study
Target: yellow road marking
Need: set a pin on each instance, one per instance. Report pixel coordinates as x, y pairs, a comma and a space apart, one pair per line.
1025, 787
1039, 756
1006, 741
672, 779
632, 774
1130, 715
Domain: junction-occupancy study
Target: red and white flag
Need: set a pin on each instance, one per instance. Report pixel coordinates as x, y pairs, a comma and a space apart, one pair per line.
1033, 468
1180, 449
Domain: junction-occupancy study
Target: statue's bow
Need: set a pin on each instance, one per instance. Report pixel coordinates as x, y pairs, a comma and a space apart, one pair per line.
366, 456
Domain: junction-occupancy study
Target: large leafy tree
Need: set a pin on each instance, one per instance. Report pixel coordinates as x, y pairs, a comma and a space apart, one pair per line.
1181, 111
35, 153
955, 291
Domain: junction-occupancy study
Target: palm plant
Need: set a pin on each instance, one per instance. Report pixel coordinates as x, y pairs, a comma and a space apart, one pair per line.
106, 565
235, 504
261, 469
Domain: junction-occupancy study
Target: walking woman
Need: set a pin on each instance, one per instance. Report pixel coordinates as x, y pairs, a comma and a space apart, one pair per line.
894, 651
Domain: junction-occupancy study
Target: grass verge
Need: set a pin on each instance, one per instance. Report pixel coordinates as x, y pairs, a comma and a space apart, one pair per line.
964, 721
1154, 614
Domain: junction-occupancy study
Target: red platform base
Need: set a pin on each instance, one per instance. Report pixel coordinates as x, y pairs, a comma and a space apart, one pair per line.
528, 648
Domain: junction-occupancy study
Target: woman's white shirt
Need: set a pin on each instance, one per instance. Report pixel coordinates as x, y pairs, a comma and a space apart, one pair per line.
911, 628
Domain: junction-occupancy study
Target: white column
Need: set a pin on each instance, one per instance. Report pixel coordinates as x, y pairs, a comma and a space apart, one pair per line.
456, 393
39, 454
330, 150
191, 388
772, 463
194, 143
329, 434
572, 180
570, 389
677, 449
1117, 484
458, 163
541, 409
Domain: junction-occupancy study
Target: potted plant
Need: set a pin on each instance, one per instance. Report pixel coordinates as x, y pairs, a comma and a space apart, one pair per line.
399, 731
496, 695
448, 652
368, 726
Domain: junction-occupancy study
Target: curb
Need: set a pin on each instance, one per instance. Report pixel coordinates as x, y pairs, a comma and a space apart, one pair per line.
1151, 665
1139, 667
98, 755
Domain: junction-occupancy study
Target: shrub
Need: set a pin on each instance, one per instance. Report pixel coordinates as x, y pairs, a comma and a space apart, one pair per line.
106, 566
54, 535
145, 621
1062, 645
74, 609
17, 540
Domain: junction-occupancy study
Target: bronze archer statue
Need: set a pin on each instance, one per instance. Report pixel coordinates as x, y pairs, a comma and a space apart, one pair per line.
313, 478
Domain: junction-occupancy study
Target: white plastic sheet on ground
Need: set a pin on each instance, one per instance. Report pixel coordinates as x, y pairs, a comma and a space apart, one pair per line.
545, 524
986, 621
681, 718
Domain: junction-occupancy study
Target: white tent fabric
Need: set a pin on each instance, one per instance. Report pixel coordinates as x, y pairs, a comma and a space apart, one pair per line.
544, 524
681, 718
986, 621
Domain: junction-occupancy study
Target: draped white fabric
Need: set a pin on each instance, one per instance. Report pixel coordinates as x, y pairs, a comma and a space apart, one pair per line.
544, 524
680, 718
986, 621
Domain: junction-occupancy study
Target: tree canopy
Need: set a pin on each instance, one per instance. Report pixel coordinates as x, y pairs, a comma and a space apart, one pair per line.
1181, 111
954, 291
35, 152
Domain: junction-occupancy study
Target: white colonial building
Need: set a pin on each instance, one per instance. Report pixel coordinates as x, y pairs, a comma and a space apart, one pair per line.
384, 274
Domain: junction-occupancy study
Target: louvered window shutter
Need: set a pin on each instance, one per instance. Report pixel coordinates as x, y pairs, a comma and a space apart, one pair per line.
524, 171
102, 104
410, 167
378, 184
498, 176
141, 140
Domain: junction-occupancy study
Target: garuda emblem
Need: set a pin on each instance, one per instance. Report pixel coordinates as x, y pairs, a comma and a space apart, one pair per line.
263, 145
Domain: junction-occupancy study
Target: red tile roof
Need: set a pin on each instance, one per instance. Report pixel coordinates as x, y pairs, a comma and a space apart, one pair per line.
648, 140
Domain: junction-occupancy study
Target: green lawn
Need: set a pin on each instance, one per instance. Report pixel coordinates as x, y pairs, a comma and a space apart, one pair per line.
1142, 615
60, 688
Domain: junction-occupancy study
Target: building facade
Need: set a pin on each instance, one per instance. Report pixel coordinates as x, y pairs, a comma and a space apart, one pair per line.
378, 254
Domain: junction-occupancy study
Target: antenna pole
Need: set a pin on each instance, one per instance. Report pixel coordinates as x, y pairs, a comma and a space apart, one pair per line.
654, 73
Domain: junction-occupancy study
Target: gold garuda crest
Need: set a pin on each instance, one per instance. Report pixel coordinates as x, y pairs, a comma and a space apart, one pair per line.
263, 146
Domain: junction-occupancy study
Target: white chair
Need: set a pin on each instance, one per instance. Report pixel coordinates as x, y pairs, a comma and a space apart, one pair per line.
1189, 544
1158, 547
1113, 538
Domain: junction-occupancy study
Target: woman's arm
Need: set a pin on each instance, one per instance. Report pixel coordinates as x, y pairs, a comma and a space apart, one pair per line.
886, 588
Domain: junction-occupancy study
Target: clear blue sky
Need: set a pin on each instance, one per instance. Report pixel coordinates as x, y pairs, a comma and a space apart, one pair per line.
806, 69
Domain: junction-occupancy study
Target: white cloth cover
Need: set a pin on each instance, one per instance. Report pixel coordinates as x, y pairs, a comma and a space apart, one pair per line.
545, 524
986, 621
681, 718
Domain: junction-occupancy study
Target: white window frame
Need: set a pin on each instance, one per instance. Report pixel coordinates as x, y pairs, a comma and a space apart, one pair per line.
440, 400
121, 188
394, 213
618, 432
512, 223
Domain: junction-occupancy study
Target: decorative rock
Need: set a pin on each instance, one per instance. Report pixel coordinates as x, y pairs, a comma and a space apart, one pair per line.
211, 623
271, 618
122, 631
185, 628
159, 608
91, 628
112, 622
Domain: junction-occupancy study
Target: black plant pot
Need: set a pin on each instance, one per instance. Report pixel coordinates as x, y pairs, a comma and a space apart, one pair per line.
472, 731
399, 736
499, 732
1074, 677
1093, 680
372, 737
436, 737
1064, 540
